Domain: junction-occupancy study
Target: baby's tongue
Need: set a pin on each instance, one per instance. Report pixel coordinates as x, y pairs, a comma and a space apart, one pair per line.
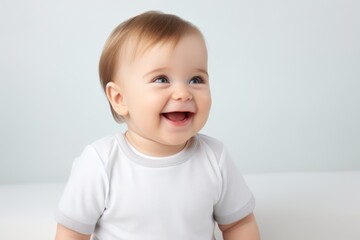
175, 116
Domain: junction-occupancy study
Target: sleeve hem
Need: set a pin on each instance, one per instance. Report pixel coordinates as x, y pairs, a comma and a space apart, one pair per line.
240, 214
72, 224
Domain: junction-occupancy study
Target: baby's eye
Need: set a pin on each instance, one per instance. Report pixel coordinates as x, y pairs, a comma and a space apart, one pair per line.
161, 79
196, 80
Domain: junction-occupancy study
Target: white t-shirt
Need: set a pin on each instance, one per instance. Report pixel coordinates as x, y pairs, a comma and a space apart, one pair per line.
116, 193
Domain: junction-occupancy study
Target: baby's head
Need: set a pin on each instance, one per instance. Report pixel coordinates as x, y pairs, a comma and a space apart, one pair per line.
136, 35
154, 72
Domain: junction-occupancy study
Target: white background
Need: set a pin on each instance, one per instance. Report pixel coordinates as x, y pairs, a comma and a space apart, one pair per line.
285, 78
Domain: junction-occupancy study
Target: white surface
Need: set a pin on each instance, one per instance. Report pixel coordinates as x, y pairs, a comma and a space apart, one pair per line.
27, 211
308, 206
290, 206
284, 78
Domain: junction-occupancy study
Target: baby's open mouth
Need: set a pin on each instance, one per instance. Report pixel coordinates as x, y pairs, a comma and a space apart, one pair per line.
177, 116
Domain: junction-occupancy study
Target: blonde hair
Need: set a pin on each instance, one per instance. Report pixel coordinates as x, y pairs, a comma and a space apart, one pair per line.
147, 29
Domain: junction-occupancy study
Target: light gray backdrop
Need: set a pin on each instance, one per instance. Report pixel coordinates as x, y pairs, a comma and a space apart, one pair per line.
285, 79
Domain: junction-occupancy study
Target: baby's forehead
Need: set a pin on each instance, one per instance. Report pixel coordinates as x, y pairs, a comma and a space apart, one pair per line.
135, 46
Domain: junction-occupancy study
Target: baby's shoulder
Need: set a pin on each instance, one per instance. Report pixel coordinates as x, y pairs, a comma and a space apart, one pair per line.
105, 143
105, 146
211, 144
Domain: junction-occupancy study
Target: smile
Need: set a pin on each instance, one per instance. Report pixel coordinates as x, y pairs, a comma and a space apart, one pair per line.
178, 117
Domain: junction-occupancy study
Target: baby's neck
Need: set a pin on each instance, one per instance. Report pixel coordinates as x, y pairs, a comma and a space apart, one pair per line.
152, 148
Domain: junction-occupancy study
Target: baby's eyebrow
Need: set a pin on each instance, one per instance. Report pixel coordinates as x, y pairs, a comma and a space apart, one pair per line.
202, 71
162, 69
157, 70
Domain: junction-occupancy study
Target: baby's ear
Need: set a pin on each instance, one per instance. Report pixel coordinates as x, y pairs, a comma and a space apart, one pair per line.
116, 98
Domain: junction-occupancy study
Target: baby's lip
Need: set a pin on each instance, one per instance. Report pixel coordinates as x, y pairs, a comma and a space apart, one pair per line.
178, 116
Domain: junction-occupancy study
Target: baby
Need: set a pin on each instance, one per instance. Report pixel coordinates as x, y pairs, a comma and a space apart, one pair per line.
161, 179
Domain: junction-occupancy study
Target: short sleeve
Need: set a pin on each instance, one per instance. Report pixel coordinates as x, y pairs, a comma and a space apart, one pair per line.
236, 200
84, 197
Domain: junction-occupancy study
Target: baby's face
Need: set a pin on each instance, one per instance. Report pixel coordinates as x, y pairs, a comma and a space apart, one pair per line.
167, 95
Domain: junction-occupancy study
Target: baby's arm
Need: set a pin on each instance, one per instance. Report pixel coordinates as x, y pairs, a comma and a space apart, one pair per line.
64, 233
245, 229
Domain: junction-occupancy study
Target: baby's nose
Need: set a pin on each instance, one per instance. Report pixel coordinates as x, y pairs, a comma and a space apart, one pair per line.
181, 93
